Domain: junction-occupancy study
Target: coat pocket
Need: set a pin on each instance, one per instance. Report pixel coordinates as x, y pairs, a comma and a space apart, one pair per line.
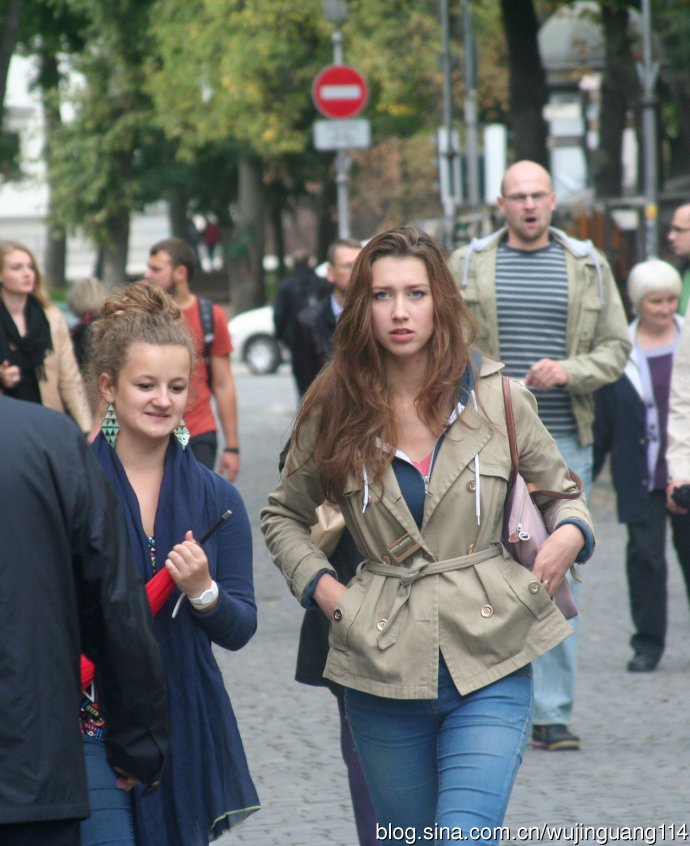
587, 324
501, 605
356, 621
345, 615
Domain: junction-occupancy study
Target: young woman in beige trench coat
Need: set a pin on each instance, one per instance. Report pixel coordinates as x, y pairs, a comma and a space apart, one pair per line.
405, 430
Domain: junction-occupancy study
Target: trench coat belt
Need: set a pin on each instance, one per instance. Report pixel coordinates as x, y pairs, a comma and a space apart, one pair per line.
419, 569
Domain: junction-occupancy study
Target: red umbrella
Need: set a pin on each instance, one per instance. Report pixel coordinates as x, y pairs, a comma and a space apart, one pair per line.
158, 589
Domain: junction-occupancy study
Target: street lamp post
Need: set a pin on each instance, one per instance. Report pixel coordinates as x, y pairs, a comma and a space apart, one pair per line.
471, 145
446, 145
336, 11
648, 71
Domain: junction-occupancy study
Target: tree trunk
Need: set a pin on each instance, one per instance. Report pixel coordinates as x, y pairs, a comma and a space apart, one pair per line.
619, 86
11, 19
528, 88
680, 145
55, 256
177, 212
247, 288
115, 252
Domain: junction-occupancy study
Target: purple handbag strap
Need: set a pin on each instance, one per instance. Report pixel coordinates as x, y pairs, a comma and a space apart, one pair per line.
514, 458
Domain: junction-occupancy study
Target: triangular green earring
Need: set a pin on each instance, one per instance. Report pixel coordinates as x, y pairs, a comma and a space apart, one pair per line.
182, 434
110, 425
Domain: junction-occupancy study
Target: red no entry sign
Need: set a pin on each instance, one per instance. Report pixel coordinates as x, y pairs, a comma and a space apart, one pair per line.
339, 91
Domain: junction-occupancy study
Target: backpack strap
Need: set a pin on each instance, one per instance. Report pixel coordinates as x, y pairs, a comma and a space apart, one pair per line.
206, 319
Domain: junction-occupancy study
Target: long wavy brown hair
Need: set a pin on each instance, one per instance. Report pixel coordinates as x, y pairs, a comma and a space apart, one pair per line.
351, 398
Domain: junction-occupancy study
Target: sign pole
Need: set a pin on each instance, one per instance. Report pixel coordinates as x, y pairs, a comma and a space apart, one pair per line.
340, 92
342, 181
648, 71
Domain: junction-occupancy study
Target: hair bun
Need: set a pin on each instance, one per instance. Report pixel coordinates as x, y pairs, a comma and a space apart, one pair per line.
141, 297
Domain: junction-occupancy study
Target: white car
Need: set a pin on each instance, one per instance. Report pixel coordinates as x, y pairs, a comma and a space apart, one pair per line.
254, 341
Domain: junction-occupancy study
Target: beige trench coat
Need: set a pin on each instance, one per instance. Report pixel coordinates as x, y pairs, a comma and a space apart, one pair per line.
449, 586
63, 389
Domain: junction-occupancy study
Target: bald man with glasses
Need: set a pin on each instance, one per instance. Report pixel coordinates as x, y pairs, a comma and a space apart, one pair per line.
547, 306
679, 240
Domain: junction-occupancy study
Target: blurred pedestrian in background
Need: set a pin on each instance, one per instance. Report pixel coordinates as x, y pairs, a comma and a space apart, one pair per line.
141, 361
86, 298
211, 238
679, 239
314, 324
631, 424
67, 584
301, 289
37, 361
678, 452
171, 265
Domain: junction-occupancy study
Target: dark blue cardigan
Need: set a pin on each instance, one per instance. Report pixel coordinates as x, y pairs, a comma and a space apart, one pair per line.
620, 429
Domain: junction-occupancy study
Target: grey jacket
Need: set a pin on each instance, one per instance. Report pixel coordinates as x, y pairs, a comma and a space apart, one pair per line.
449, 586
597, 341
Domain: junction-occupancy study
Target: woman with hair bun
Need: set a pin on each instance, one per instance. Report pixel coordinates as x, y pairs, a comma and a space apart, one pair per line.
140, 362
37, 360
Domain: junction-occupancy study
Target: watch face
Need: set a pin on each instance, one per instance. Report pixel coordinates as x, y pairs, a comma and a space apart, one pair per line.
208, 597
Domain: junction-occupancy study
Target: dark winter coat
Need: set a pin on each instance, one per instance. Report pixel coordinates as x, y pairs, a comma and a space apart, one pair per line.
67, 585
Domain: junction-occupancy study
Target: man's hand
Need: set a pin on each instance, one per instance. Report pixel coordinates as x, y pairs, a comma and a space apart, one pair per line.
672, 506
229, 465
545, 374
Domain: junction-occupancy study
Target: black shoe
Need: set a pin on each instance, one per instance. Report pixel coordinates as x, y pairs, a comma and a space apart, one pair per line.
641, 663
555, 738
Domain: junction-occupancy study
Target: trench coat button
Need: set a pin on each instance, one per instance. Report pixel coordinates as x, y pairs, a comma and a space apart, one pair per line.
533, 587
472, 486
470, 549
337, 615
487, 611
381, 625
386, 559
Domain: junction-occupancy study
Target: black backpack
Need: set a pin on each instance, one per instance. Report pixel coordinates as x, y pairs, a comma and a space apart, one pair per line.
206, 318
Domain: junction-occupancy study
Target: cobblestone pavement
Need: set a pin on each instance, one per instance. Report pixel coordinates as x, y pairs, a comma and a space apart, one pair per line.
632, 769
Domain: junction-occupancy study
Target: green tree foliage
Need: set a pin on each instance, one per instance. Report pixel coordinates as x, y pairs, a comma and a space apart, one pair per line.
242, 70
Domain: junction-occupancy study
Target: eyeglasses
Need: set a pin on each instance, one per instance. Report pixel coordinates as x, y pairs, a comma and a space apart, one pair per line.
538, 197
678, 229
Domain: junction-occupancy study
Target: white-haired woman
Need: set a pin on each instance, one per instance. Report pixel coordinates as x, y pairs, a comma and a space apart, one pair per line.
631, 425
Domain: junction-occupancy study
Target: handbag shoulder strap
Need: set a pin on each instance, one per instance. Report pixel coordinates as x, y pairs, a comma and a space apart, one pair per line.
515, 459
510, 426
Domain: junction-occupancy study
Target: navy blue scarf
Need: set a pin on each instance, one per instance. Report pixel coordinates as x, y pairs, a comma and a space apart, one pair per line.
206, 784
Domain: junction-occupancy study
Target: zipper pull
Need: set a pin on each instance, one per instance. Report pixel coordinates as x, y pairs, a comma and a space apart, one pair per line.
426, 484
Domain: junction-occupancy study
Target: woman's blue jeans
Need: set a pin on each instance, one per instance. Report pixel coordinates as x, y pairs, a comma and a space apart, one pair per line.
111, 820
446, 763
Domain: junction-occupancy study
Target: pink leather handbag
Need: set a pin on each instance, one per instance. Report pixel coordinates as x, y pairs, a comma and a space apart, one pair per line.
523, 525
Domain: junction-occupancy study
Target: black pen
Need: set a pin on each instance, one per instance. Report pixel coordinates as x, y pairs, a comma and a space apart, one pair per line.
202, 540
219, 522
